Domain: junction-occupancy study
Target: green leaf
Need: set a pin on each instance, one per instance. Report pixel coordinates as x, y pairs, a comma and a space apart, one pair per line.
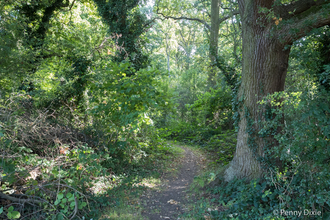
72, 204
1, 210
60, 216
71, 198
11, 208
34, 183
57, 202
55, 172
69, 195
60, 196
65, 210
15, 214
82, 205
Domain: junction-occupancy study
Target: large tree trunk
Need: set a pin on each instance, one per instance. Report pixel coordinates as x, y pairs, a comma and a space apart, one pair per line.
264, 68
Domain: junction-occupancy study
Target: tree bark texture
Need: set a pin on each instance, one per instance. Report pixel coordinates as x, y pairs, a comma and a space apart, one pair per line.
214, 40
266, 49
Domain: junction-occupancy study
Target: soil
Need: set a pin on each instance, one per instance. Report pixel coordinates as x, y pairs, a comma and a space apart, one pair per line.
171, 202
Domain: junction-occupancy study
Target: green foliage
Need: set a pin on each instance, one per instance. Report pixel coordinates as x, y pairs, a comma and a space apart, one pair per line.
73, 168
306, 129
120, 107
324, 46
127, 23
296, 177
73, 83
37, 19
216, 103
300, 184
223, 145
13, 214
266, 199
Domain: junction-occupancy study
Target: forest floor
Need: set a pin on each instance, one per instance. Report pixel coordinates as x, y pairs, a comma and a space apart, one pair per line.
173, 199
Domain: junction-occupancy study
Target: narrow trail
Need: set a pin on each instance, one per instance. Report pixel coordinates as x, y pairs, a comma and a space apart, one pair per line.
171, 202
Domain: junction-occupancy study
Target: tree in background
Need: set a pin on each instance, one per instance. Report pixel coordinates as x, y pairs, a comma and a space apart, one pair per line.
211, 23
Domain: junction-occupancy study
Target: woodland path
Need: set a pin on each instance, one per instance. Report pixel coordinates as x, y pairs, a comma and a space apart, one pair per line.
171, 201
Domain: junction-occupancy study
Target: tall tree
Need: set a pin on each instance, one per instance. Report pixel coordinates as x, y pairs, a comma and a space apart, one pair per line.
269, 28
214, 40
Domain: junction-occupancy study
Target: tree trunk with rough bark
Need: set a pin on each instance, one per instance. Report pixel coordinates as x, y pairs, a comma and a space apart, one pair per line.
266, 49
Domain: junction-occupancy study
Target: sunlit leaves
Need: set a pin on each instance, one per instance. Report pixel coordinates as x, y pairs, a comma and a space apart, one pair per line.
126, 98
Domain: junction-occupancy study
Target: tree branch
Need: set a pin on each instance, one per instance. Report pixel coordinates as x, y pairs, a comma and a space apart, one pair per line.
71, 6
146, 25
295, 8
302, 24
19, 200
183, 18
228, 16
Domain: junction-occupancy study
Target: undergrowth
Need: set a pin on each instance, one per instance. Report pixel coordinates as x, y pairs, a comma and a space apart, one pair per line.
51, 169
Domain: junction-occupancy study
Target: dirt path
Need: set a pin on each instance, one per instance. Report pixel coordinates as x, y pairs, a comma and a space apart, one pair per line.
169, 203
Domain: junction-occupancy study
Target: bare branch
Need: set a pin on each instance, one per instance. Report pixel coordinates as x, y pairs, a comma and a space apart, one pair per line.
72, 5
222, 19
19, 200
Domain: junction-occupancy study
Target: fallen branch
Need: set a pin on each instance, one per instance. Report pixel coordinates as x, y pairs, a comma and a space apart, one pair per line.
19, 200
